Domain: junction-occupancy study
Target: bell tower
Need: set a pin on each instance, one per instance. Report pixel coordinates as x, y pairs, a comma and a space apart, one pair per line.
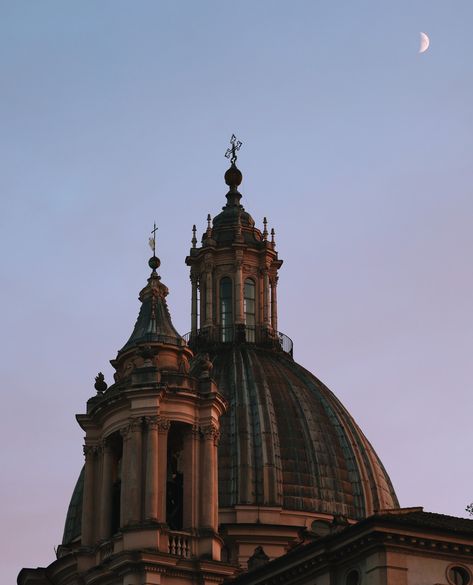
234, 274
150, 480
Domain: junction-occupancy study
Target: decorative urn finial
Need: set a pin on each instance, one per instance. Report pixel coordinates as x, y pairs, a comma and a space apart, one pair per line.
100, 384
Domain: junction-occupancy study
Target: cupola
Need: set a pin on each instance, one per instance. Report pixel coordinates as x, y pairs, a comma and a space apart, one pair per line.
234, 274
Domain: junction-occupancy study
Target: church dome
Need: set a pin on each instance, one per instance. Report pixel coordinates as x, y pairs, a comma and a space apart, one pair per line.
289, 453
287, 441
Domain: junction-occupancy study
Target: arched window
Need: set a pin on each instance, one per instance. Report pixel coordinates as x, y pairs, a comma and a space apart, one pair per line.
175, 477
226, 309
115, 444
249, 307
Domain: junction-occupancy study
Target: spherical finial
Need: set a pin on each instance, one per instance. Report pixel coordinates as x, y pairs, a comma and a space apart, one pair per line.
154, 262
233, 176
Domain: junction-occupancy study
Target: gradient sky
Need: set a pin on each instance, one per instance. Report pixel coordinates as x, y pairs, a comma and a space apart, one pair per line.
357, 149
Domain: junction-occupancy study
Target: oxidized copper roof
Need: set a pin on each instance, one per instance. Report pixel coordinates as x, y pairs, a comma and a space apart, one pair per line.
154, 320
288, 441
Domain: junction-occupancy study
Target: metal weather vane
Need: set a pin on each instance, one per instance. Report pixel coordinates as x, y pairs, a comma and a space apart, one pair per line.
235, 147
152, 240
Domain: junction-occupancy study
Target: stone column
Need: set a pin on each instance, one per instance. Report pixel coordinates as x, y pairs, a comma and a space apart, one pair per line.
152, 458
194, 304
260, 296
88, 504
209, 487
135, 471
265, 297
215, 478
125, 483
106, 494
202, 300
239, 310
208, 295
274, 304
191, 477
163, 429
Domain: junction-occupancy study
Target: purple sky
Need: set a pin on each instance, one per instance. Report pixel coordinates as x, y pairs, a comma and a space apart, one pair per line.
357, 149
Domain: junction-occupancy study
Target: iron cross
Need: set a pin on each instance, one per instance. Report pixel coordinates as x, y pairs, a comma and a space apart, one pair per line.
152, 240
235, 146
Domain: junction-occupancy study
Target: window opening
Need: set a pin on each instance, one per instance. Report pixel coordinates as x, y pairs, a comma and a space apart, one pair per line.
249, 307
226, 309
175, 478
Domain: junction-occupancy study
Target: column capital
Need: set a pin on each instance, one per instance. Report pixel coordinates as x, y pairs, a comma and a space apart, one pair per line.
106, 444
134, 425
163, 424
90, 450
210, 432
152, 422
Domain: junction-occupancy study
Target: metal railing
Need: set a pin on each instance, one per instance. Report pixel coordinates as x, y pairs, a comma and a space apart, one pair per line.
263, 336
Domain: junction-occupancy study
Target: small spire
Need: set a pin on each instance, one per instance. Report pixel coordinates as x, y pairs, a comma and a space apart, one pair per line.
209, 225
265, 230
194, 239
273, 241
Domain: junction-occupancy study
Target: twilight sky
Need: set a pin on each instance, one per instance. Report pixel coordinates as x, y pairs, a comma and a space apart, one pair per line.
358, 150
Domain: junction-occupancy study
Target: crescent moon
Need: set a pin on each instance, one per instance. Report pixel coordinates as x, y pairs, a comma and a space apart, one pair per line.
424, 42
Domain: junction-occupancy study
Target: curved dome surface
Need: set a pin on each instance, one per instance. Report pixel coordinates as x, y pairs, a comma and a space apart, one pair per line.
288, 441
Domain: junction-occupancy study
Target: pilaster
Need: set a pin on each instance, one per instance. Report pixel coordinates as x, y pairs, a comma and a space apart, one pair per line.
106, 496
152, 469
163, 425
88, 506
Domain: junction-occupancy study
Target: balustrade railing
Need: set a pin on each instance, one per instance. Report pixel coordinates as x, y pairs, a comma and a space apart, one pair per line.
264, 336
180, 544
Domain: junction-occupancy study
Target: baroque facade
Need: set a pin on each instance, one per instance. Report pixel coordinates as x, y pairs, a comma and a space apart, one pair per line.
215, 457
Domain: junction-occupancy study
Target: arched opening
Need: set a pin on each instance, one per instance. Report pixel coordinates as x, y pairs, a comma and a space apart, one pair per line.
249, 308
116, 445
226, 309
175, 477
